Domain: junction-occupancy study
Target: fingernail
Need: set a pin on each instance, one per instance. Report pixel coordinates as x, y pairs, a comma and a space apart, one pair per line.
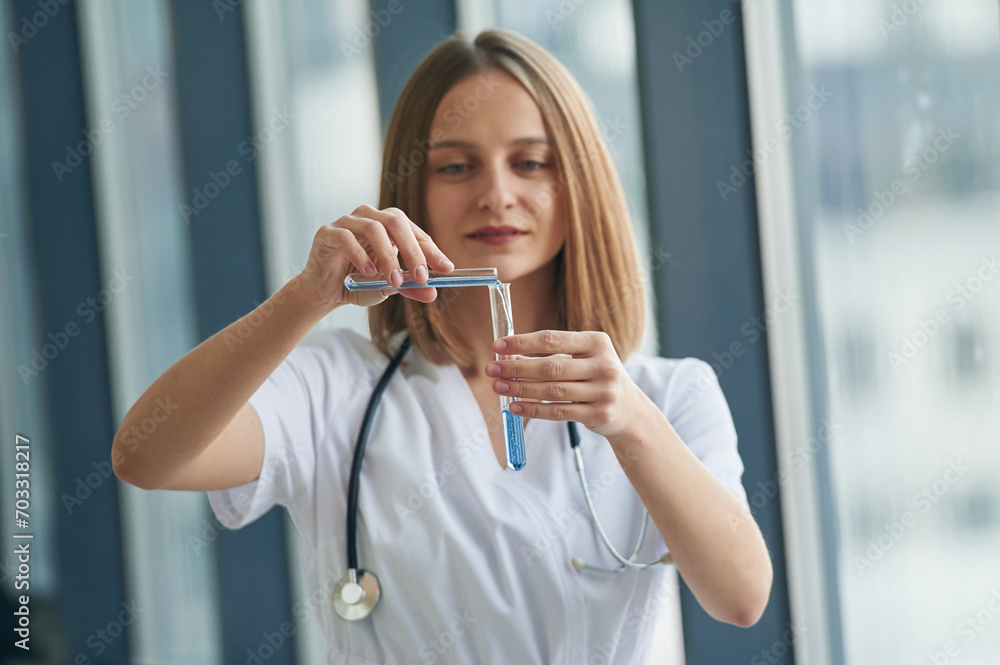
370, 269
420, 273
516, 407
493, 369
502, 386
396, 277
500, 345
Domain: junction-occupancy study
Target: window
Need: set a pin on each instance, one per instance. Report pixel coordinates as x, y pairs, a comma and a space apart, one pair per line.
878, 196
326, 162
23, 408
967, 361
131, 100
323, 163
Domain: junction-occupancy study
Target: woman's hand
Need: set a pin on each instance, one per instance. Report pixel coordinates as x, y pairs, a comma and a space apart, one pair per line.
601, 395
368, 241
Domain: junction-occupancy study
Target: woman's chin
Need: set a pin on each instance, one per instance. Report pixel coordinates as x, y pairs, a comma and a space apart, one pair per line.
510, 267
511, 274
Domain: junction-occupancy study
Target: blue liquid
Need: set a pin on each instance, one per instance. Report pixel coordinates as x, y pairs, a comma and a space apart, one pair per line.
513, 438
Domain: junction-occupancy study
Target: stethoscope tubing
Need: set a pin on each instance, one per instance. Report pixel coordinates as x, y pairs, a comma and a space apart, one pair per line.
355, 573
354, 485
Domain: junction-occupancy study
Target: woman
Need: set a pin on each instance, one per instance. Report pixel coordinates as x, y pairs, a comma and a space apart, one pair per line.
492, 158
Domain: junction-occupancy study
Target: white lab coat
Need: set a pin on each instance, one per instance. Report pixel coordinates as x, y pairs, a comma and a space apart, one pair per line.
474, 560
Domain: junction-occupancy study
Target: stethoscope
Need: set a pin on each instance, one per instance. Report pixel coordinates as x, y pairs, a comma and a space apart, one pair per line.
358, 592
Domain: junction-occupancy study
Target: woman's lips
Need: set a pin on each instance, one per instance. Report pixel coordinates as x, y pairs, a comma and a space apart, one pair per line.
497, 237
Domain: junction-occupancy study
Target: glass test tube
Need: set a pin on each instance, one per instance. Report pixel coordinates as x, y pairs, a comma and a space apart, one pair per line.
513, 426
457, 277
503, 325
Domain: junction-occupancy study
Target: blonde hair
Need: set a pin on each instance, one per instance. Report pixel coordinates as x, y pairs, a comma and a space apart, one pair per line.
598, 281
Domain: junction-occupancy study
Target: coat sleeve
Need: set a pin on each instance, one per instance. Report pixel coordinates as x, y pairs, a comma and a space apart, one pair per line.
689, 394
295, 405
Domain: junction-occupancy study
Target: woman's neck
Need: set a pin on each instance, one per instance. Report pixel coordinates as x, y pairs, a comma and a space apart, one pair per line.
533, 305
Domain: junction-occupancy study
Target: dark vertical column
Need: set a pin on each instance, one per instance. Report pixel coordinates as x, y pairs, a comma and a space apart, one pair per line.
406, 32
223, 216
74, 372
696, 123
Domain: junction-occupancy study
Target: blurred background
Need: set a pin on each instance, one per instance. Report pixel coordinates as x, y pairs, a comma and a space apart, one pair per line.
816, 191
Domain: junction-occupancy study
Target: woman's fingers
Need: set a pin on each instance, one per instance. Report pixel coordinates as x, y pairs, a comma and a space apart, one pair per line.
566, 412
435, 257
331, 240
373, 237
551, 368
415, 244
422, 294
372, 242
550, 391
425, 294
396, 227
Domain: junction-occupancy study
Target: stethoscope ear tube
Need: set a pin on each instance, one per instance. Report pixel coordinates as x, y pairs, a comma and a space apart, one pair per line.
577, 562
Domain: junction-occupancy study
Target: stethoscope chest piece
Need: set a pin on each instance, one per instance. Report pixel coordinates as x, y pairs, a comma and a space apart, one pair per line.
355, 597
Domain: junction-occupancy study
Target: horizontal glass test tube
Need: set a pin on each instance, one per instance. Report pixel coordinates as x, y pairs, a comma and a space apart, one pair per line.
457, 277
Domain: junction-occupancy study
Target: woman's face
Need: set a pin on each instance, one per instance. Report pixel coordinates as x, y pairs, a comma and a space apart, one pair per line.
491, 164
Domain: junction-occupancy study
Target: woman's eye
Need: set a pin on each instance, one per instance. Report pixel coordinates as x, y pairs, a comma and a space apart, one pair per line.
453, 169
531, 165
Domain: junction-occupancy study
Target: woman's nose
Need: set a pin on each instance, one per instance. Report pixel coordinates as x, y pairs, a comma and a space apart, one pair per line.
497, 193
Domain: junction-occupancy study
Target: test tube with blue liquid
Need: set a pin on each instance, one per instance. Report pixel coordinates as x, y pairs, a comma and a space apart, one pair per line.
503, 325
